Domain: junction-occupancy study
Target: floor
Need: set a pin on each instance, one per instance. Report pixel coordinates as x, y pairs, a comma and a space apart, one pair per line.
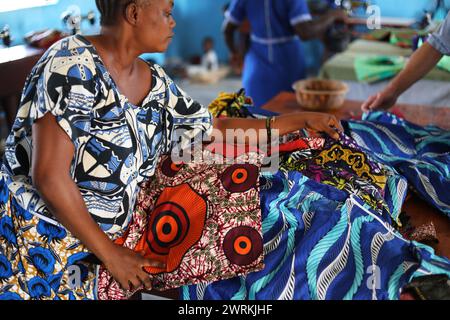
206, 93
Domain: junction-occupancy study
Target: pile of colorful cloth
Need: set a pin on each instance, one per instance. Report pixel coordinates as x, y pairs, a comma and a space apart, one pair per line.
324, 225
330, 216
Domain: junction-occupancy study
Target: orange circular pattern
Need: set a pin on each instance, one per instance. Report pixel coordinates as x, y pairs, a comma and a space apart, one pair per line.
239, 176
169, 168
176, 167
168, 226
167, 229
176, 223
242, 245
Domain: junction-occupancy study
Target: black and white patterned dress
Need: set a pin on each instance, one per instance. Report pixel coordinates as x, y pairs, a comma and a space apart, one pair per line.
117, 147
117, 144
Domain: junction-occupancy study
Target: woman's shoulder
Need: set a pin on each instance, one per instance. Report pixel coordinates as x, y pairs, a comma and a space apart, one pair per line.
69, 56
71, 45
161, 75
158, 69
68, 65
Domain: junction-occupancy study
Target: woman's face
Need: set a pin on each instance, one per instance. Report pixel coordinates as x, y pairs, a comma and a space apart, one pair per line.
155, 25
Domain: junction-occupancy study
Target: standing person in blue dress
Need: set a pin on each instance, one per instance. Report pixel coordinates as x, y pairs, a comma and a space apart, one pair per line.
276, 58
93, 122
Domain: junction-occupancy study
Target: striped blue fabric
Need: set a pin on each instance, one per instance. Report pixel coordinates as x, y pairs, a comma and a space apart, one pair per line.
420, 154
323, 243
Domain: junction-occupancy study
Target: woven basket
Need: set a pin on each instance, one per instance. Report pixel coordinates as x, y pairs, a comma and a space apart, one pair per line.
319, 94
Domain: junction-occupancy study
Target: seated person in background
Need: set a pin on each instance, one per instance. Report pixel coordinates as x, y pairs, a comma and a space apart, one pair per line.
209, 70
210, 61
421, 62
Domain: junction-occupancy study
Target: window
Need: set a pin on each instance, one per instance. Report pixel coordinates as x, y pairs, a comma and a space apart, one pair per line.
9, 5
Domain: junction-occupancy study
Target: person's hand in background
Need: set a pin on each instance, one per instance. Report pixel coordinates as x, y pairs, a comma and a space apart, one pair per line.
236, 62
383, 100
340, 15
420, 63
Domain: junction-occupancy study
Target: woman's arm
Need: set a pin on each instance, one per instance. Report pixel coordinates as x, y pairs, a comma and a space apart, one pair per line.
421, 62
52, 156
229, 32
316, 28
236, 57
318, 122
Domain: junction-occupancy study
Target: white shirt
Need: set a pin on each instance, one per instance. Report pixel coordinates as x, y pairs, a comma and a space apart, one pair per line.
210, 62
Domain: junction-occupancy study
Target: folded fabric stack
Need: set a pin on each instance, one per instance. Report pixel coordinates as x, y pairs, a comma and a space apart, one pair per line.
370, 69
329, 235
324, 226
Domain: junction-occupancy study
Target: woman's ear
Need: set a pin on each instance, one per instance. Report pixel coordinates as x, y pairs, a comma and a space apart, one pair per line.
131, 13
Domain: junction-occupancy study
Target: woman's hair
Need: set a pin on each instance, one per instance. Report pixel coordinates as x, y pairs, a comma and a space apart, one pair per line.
111, 9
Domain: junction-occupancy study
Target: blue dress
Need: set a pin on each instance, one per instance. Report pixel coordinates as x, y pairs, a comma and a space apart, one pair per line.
275, 59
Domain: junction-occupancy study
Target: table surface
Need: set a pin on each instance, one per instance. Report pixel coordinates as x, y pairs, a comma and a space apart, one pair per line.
341, 66
385, 21
286, 102
18, 53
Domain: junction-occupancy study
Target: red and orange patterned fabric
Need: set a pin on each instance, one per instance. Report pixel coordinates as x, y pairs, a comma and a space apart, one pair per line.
202, 220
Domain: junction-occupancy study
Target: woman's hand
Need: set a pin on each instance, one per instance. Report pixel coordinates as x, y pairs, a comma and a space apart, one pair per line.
236, 62
383, 100
284, 124
322, 122
418, 66
127, 268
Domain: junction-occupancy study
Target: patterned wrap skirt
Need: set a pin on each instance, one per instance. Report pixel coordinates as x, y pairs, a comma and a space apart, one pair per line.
39, 260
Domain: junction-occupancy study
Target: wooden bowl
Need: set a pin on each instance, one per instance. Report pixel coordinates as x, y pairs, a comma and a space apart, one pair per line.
320, 94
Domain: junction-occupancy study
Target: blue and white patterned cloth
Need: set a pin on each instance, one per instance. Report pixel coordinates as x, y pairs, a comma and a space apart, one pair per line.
420, 154
117, 144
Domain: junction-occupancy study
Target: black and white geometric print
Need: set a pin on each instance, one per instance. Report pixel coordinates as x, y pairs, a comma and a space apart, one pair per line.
117, 144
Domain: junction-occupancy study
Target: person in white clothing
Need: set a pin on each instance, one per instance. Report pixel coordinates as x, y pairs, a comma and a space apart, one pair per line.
210, 61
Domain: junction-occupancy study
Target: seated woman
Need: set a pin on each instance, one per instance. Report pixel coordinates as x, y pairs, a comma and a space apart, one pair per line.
93, 121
